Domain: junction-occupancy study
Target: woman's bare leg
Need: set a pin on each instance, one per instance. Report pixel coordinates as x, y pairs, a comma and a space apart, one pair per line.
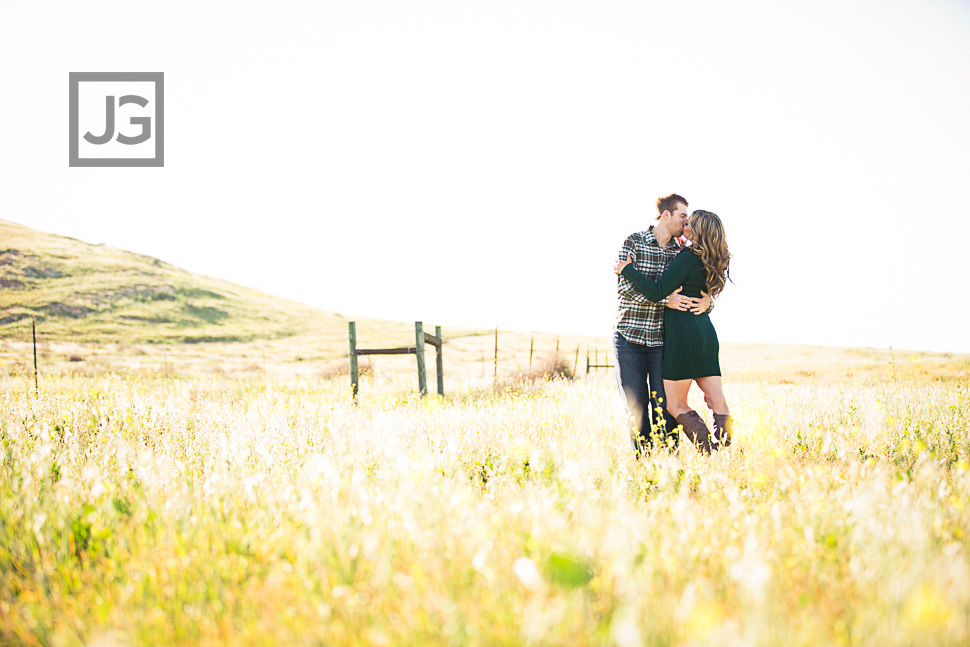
713, 394
714, 397
676, 392
693, 425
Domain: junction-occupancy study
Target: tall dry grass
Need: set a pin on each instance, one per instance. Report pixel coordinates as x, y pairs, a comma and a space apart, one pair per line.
243, 512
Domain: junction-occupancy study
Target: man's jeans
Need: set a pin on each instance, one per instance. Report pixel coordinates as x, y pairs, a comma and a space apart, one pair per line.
638, 374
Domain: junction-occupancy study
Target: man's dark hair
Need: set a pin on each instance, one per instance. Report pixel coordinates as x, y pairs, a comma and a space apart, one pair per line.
669, 203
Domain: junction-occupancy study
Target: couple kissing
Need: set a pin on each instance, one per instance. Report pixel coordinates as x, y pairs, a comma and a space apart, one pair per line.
663, 338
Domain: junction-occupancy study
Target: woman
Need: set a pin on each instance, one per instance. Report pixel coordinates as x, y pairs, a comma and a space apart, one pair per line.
690, 342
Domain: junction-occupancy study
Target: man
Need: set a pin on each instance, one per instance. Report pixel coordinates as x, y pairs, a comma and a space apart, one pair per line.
638, 334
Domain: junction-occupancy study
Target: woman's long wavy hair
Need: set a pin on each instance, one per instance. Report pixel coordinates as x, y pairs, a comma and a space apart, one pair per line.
709, 244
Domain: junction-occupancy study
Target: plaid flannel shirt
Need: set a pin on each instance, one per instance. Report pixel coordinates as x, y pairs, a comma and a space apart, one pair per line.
638, 319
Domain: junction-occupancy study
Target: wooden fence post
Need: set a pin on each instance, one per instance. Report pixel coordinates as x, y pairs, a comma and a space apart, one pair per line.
495, 376
440, 362
33, 329
576, 362
531, 342
354, 376
419, 351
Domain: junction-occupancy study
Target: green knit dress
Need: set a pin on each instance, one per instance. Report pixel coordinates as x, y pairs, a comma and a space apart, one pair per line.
690, 342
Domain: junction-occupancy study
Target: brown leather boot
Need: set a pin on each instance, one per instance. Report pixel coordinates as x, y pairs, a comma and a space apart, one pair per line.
722, 430
696, 430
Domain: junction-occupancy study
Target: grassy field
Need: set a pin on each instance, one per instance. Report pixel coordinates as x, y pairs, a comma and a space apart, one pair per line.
251, 508
189, 469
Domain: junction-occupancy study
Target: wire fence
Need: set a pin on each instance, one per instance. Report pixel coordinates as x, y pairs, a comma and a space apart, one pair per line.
321, 356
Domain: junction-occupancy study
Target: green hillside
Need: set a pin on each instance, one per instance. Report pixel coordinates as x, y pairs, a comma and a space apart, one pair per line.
93, 293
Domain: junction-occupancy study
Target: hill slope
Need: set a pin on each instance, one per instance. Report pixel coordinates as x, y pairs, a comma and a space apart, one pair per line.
84, 292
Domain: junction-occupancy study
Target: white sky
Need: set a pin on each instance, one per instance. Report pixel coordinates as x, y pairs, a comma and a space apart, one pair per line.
480, 163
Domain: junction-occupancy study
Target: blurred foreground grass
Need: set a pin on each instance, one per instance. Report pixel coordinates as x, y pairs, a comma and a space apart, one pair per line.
213, 511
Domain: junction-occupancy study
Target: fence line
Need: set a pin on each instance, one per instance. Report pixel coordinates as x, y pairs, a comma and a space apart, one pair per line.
67, 356
590, 365
596, 362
